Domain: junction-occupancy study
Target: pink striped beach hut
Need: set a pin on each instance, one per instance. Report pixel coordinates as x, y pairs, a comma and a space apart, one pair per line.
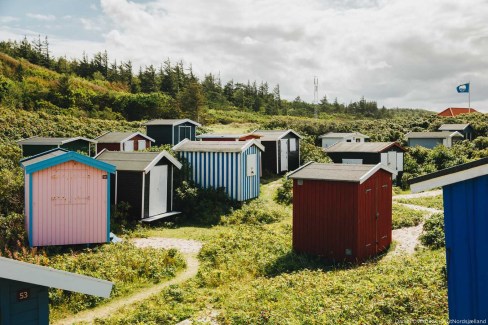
67, 198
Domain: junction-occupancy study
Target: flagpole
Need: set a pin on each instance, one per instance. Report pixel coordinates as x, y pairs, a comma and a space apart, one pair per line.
469, 96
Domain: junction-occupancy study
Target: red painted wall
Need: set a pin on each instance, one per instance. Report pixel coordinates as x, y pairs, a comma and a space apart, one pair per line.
332, 217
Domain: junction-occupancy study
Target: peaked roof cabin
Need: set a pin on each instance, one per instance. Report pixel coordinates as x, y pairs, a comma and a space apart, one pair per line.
332, 138
171, 131
432, 139
455, 111
465, 129
123, 141
228, 137
36, 145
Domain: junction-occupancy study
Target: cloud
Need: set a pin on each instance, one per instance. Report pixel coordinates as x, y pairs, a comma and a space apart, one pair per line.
8, 19
41, 17
89, 24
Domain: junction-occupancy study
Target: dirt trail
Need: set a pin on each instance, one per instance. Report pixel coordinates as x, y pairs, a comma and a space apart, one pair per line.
189, 248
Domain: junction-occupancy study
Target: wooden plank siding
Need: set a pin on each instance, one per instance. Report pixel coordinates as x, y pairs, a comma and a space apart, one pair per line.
69, 205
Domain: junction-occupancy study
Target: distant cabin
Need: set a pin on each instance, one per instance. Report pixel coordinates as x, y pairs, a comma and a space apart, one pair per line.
145, 181
282, 150
123, 141
172, 132
465, 192
342, 212
332, 138
228, 137
465, 129
24, 297
232, 165
390, 154
36, 145
431, 139
67, 199
455, 111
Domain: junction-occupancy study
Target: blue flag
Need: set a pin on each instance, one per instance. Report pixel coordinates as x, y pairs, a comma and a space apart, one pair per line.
464, 88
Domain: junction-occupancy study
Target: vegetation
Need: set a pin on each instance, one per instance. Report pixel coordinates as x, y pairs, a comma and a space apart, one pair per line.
284, 193
405, 217
433, 233
434, 202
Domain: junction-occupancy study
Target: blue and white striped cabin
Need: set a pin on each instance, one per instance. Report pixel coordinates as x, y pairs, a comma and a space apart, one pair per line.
235, 166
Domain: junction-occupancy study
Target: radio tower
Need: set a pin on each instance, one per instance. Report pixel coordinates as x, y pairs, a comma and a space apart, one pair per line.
315, 95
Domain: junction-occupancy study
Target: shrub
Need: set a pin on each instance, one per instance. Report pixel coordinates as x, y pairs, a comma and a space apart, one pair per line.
255, 212
433, 232
405, 217
12, 234
284, 194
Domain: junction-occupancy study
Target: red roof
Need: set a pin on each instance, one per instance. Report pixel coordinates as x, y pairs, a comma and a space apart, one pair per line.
454, 111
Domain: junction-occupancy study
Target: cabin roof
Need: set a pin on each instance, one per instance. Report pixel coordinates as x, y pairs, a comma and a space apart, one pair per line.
433, 135
362, 147
135, 161
216, 146
450, 175
119, 137
227, 135
343, 135
357, 173
51, 141
454, 111
453, 127
171, 122
274, 135
48, 277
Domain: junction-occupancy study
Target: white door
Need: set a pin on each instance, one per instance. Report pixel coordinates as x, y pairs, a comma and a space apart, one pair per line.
284, 154
400, 161
352, 161
158, 190
141, 144
129, 145
392, 160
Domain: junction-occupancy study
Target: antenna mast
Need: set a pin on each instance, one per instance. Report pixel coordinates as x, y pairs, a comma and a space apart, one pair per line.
315, 95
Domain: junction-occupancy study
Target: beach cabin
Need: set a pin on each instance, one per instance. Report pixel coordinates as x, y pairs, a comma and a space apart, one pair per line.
342, 212
36, 145
282, 150
455, 111
465, 192
145, 181
389, 154
67, 198
166, 131
123, 141
465, 129
232, 165
331, 138
431, 139
24, 298
228, 137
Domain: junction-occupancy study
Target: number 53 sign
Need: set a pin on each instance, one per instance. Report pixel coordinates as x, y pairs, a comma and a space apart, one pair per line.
23, 294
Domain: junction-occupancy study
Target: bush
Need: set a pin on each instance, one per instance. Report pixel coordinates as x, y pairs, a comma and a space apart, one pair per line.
405, 217
284, 194
433, 232
255, 212
12, 234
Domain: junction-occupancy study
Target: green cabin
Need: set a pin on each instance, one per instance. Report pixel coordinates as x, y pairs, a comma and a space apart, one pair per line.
24, 298
36, 145
167, 131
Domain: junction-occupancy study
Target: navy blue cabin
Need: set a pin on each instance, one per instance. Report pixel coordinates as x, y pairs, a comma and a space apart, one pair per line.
171, 132
465, 189
232, 165
36, 145
24, 298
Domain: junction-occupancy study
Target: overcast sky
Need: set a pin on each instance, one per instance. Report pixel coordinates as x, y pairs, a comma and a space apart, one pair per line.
400, 53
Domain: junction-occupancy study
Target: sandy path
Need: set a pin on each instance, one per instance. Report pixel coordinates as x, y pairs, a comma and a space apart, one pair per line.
189, 248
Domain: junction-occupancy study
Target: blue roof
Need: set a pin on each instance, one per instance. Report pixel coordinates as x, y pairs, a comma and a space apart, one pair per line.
55, 157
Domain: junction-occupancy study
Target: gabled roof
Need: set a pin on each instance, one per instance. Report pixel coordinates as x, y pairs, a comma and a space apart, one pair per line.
171, 122
274, 135
337, 172
362, 147
433, 135
343, 135
120, 137
51, 141
453, 127
55, 157
228, 136
52, 278
454, 111
216, 146
450, 175
135, 161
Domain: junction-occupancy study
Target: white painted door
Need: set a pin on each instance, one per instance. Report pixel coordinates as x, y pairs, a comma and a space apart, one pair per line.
129, 145
158, 190
141, 144
284, 154
400, 161
352, 161
392, 160
384, 158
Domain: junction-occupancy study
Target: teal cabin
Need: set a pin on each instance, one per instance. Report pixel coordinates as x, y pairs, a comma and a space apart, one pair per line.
36, 145
166, 131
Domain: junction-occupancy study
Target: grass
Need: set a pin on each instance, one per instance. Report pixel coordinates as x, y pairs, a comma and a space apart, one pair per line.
405, 217
434, 202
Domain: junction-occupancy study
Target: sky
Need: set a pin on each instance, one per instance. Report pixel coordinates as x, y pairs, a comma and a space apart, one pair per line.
408, 54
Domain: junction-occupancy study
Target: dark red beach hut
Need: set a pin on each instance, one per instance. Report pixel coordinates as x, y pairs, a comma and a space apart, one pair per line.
342, 212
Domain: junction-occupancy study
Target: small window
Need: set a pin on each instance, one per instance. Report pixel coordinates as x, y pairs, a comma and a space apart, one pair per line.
293, 145
348, 140
251, 165
358, 140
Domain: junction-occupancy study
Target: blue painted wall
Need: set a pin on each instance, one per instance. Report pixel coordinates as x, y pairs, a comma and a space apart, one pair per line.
426, 143
466, 225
